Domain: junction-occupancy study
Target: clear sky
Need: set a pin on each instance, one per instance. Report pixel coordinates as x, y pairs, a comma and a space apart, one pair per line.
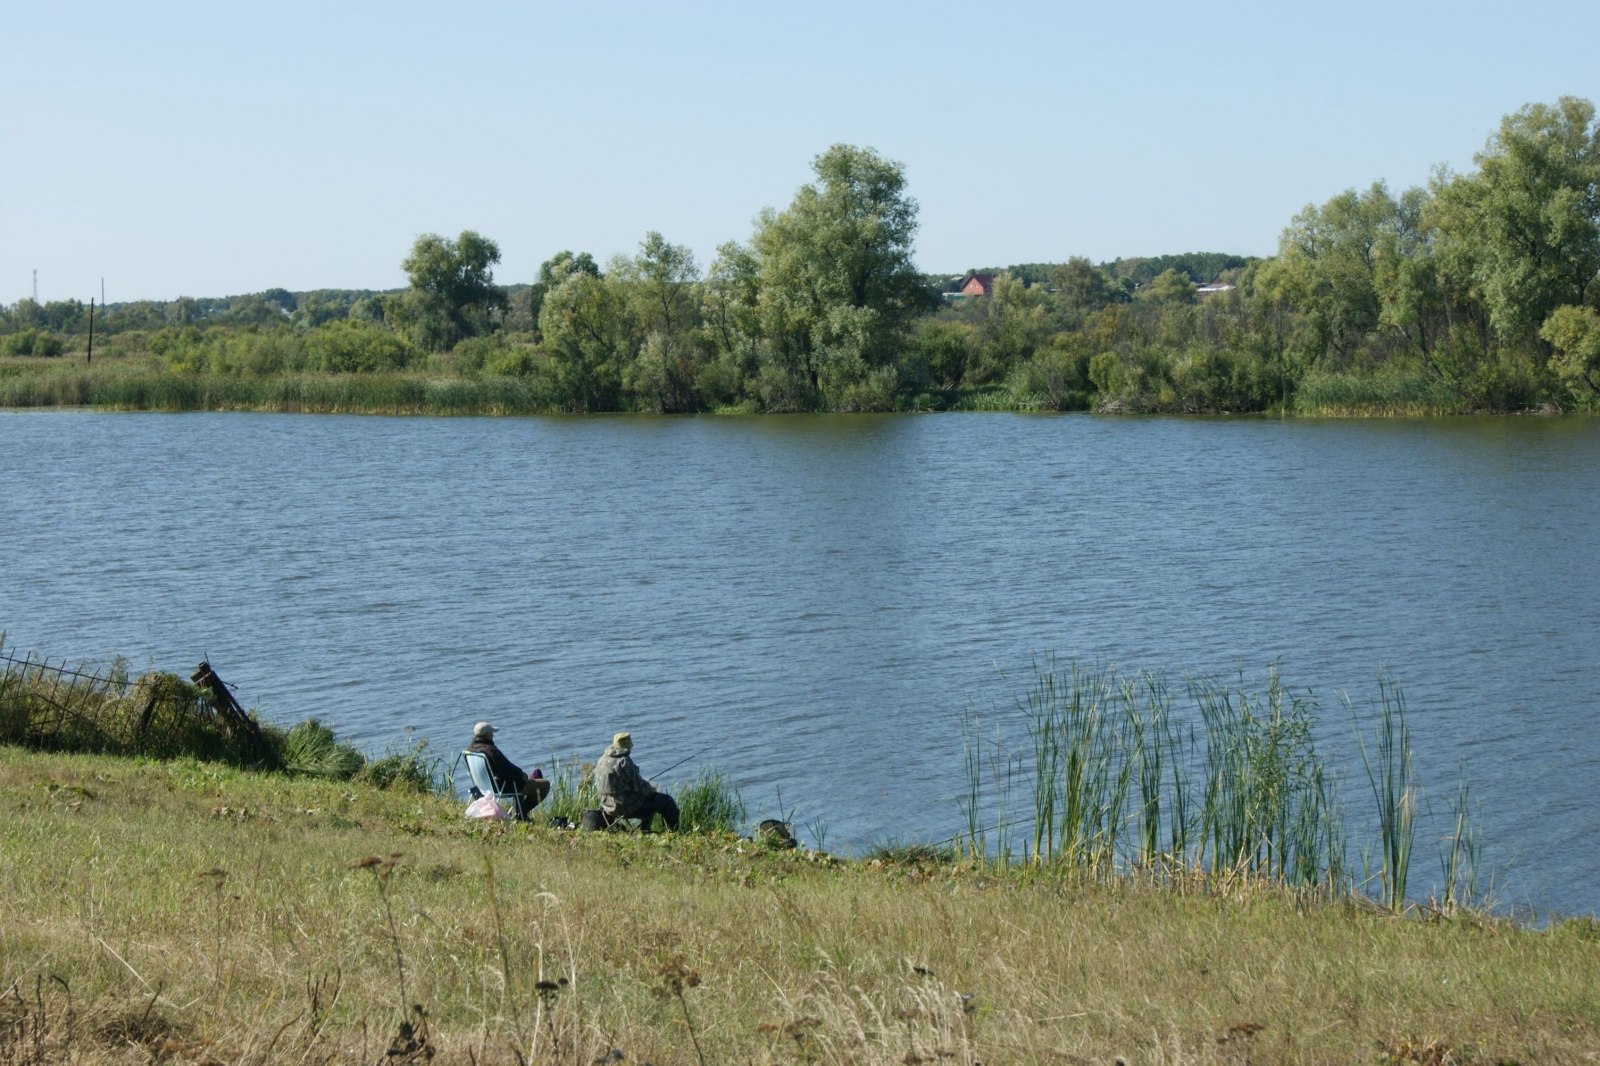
211, 149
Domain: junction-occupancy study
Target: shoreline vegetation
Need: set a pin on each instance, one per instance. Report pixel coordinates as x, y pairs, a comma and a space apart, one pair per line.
133, 385
1476, 292
163, 901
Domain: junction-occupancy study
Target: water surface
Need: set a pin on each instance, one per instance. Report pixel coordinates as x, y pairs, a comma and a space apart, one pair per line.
820, 597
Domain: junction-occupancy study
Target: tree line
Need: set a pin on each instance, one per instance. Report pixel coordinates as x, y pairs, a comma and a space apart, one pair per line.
1477, 287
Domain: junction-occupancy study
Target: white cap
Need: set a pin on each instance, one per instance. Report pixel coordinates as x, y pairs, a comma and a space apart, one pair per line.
483, 729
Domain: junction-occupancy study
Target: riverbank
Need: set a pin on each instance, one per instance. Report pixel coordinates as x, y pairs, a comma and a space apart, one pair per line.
202, 913
145, 384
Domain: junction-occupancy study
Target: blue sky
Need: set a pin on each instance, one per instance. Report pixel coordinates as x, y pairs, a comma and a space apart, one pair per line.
215, 149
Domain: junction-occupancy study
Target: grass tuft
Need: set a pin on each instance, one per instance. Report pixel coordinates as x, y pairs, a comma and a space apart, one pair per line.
711, 802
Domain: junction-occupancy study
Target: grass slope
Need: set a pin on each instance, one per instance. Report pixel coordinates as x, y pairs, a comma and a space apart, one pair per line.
185, 912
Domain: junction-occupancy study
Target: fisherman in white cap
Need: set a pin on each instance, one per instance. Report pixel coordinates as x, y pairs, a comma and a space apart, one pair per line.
624, 793
508, 776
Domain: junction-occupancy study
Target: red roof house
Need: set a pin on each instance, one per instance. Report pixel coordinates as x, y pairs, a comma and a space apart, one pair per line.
978, 285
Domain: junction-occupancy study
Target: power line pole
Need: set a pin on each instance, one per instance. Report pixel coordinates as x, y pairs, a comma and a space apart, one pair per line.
102, 293
35, 284
90, 357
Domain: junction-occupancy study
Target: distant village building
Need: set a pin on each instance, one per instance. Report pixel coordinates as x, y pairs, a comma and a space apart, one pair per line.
978, 285
1212, 286
967, 285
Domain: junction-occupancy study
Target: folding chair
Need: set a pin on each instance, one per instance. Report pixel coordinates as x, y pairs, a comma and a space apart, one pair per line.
478, 770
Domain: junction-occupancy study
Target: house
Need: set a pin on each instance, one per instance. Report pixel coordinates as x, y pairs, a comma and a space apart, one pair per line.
1211, 287
967, 285
978, 285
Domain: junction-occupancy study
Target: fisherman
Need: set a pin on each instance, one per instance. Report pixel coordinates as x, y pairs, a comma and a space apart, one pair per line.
508, 776
624, 793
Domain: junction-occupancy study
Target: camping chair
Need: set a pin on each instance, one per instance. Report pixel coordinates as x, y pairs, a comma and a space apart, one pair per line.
478, 770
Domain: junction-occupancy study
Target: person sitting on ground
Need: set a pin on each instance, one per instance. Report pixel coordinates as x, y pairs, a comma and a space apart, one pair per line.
508, 776
624, 793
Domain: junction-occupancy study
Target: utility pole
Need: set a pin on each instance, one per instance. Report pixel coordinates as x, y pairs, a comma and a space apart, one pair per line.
90, 358
35, 284
102, 294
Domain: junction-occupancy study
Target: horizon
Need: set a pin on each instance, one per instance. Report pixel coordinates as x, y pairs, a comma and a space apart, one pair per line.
177, 151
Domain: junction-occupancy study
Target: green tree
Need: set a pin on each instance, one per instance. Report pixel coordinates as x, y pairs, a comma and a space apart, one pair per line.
661, 283
1169, 287
554, 271
731, 320
452, 292
1080, 285
662, 280
590, 334
1526, 226
1012, 325
349, 346
838, 288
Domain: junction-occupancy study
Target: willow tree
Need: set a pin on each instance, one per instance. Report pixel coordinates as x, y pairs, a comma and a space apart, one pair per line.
1526, 226
452, 293
837, 285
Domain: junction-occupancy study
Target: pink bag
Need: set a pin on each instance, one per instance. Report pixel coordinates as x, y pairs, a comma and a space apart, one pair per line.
486, 807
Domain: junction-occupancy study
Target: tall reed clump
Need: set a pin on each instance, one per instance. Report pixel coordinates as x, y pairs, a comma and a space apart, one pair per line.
1394, 791
1127, 774
711, 802
411, 768
1394, 392
572, 790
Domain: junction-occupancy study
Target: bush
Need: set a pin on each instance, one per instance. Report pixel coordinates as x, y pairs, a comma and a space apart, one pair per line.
473, 353
518, 362
1058, 378
32, 342
940, 351
347, 346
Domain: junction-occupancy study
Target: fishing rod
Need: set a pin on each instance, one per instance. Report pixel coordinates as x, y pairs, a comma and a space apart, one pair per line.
696, 755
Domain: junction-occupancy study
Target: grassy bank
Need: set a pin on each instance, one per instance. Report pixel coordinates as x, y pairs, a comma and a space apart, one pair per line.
1154, 897
193, 912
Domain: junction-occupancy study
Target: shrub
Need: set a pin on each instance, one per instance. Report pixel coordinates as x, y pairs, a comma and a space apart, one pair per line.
347, 346
940, 349
1058, 378
520, 361
32, 342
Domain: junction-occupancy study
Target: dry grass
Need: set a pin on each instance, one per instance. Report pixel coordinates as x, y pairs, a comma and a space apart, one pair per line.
180, 913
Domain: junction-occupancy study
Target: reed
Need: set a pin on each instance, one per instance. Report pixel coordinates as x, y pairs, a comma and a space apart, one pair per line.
1394, 791
572, 790
1127, 775
1398, 392
140, 385
709, 803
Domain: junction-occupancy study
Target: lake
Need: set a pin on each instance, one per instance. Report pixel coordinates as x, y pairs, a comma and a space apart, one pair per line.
818, 598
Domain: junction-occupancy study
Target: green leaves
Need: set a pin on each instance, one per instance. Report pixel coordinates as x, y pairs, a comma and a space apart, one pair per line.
452, 288
837, 286
1526, 226
1574, 332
